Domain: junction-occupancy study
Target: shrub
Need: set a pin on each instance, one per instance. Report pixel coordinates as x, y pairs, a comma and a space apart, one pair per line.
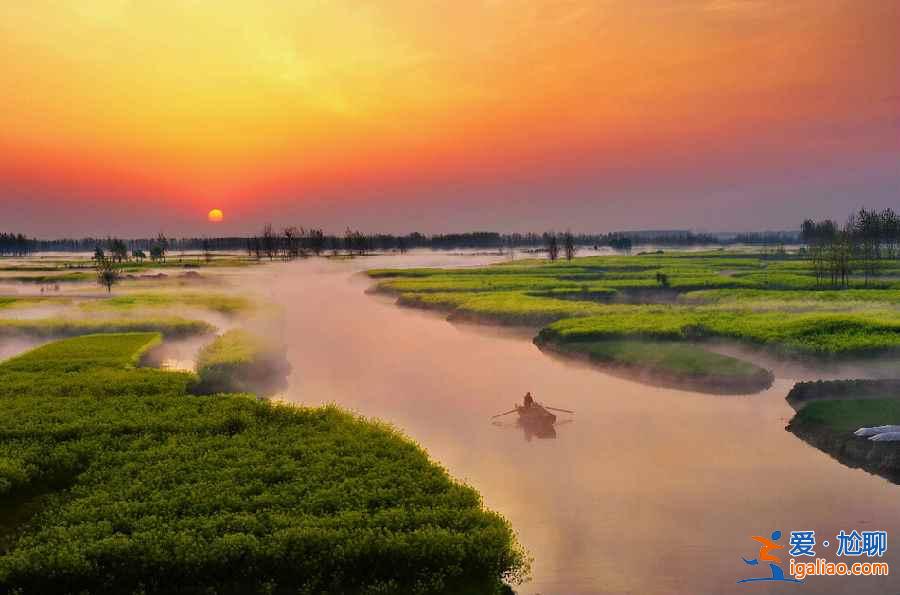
239, 361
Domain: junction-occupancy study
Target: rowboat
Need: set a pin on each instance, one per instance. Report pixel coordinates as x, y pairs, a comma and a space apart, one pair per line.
535, 414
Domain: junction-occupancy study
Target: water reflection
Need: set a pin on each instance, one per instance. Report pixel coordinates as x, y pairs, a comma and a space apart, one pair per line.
653, 491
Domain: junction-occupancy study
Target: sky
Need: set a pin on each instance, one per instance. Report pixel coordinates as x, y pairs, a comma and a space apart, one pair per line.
130, 117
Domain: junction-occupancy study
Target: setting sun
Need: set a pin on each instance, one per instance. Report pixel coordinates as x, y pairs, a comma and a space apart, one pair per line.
215, 216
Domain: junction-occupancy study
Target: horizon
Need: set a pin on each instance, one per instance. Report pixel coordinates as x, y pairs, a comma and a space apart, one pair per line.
141, 118
720, 235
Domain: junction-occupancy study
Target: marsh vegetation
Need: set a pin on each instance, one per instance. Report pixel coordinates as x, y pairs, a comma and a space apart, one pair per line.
117, 477
595, 306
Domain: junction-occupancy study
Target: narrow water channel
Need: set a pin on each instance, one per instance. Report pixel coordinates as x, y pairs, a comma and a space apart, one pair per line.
647, 490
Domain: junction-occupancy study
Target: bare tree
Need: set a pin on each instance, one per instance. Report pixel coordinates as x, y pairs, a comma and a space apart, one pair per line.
269, 242
207, 254
569, 245
316, 241
551, 243
291, 242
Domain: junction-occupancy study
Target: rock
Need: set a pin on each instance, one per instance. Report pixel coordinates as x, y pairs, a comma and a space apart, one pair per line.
868, 432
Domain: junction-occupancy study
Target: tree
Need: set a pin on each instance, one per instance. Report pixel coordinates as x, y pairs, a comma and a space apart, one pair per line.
138, 255
551, 243
207, 254
622, 243
162, 242
99, 254
291, 242
107, 273
868, 232
316, 241
269, 242
118, 250
569, 245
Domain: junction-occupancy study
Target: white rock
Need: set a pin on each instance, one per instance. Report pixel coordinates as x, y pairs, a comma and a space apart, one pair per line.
867, 432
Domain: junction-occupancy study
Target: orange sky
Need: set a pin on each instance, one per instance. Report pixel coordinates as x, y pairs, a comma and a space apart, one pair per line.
272, 106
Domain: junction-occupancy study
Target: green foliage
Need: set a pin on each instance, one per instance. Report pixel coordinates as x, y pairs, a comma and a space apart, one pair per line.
239, 361
225, 304
814, 333
850, 414
743, 296
677, 362
844, 389
65, 327
222, 493
93, 365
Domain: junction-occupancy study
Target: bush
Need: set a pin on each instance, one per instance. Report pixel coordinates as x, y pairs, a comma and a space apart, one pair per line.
239, 361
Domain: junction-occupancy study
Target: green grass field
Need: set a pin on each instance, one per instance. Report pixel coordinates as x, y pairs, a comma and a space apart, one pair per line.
681, 365
223, 303
239, 361
847, 415
114, 479
607, 308
170, 326
765, 301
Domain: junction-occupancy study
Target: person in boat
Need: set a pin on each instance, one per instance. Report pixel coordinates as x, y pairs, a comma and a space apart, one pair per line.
528, 401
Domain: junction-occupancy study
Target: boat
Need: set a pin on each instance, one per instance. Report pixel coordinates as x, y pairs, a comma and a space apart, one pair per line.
535, 414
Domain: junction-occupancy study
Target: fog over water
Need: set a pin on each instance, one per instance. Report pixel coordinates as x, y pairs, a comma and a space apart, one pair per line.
648, 490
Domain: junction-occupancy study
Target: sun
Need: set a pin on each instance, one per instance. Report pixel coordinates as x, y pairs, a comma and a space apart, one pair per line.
215, 216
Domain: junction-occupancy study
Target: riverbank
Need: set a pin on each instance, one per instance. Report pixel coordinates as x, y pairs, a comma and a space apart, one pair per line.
146, 486
829, 425
667, 364
602, 309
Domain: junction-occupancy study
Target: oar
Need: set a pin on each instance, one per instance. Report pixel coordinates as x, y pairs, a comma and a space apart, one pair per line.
556, 409
502, 414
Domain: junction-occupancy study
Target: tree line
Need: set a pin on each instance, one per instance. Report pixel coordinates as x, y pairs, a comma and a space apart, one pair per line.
14, 244
864, 241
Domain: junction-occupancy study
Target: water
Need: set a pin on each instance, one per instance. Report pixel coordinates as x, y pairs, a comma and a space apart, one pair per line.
648, 491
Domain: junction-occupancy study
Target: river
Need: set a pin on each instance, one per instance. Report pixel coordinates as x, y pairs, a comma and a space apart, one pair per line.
647, 490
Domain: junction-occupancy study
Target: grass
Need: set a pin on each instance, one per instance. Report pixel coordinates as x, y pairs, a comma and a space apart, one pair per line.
13, 302
90, 366
676, 364
596, 305
846, 416
818, 334
803, 392
48, 278
140, 492
239, 361
782, 299
222, 303
66, 327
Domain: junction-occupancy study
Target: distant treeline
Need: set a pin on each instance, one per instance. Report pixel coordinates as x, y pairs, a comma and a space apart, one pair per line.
15, 244
317, 241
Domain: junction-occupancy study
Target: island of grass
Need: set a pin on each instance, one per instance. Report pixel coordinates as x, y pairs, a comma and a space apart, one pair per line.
829, 425
168, 326
597, 307
665, 363
803, 393
240, 361
222, 303
114, 479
